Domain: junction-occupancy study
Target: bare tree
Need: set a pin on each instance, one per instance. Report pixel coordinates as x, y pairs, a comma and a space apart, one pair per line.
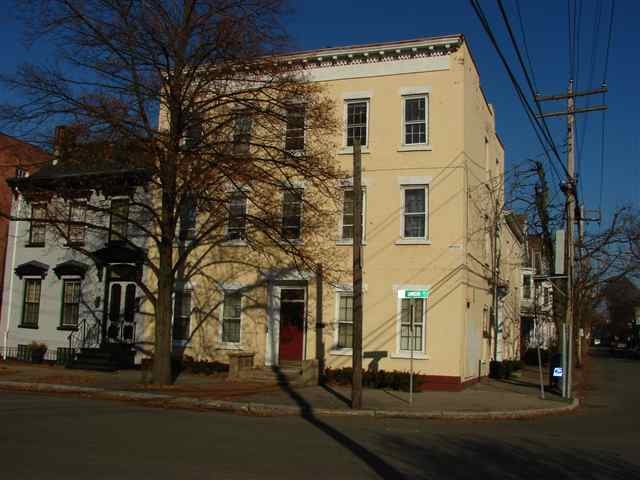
194, 97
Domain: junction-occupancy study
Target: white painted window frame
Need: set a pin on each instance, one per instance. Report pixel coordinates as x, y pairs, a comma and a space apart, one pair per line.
349, 241
417, 355
355, 97
403, 189
301, 188
236, 241
63, 279
339, 291
231, 345
427, 142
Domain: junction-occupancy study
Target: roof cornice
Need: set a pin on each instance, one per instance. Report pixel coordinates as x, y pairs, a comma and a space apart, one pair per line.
374, 52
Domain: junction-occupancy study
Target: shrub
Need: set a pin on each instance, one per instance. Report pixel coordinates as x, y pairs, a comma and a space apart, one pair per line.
394, 380
530, 357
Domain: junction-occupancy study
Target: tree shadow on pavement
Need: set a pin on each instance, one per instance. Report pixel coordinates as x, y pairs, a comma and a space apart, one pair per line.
377, 464
335, 393
473, 458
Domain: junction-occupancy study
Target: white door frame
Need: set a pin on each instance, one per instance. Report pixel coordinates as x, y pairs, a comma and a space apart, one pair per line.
272, 350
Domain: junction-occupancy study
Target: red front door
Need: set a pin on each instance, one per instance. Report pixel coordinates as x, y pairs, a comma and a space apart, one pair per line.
292, 313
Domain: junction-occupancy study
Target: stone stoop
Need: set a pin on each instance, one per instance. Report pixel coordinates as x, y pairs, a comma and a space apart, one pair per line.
298, 374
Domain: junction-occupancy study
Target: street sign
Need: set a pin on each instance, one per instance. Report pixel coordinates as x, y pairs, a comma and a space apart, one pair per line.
413, 293
557, 372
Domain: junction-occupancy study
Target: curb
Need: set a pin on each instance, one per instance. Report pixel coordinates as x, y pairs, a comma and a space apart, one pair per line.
271, 410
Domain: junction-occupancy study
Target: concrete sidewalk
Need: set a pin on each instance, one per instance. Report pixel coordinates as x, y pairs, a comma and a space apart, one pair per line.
488, 399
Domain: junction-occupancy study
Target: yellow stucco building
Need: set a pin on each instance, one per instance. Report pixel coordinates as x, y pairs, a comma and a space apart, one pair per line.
429, 152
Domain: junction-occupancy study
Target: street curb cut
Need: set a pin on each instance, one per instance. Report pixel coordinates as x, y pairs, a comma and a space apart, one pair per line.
270, 410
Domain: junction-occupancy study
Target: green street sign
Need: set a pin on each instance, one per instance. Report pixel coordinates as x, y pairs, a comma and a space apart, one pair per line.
413, 293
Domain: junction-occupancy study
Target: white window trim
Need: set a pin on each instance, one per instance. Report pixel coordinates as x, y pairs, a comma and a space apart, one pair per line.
295, 186
298, 151
342, 289
231, 345
356, 98
531, 291
23, 302
349, 241
63, 278
188, 287
407, 147
414, 240
417, 354
236, 242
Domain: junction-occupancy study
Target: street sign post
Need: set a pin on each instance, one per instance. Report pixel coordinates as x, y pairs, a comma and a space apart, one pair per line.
408, 294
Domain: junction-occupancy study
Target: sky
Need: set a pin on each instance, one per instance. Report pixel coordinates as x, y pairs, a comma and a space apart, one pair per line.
318, 24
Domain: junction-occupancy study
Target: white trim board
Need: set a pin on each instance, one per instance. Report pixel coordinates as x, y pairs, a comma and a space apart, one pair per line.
376, 69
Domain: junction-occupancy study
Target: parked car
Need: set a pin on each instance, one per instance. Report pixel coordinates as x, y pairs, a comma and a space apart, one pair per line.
635, 352
619, 349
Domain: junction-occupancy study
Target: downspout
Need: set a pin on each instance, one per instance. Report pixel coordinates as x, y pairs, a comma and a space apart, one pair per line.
13, 229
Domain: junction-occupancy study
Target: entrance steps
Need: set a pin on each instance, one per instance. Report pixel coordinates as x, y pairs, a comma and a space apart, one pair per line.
94, 359
296, 374
108, 358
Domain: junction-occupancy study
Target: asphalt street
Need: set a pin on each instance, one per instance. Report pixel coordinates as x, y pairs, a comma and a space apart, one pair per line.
62, 437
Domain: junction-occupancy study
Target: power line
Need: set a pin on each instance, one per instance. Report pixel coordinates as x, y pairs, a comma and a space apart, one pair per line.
530, 84
594, 51
538, 129
604, 117
524, 43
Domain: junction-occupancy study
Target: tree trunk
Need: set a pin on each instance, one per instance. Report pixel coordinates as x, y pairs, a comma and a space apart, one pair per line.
162, 374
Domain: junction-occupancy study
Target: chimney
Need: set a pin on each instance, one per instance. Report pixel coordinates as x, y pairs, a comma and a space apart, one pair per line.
64, 138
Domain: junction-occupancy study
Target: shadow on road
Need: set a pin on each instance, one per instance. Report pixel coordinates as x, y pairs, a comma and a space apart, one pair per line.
483, 458
377, 464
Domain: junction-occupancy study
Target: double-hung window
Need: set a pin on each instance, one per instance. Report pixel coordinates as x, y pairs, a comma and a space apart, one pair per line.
231, 317
294, 139
31, 305
415, 120
38, 228
414, 212
70, 303
348, 215
526, 286
119, 219
345, 320
188, 216
237, 220
242, 133
292, 214
412, 318
77, 219
357, 120
182, 314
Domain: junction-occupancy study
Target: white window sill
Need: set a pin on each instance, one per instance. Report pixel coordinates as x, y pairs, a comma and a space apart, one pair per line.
347, 242
407, 355
230, 346
294, 241
343, 352
412, 241
296, 153
415, 148
234, 243
349, 150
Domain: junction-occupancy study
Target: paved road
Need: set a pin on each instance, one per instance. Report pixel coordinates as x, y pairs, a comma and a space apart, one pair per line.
60, 437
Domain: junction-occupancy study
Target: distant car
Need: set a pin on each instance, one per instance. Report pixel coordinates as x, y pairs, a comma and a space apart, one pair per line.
619, 349
635, 352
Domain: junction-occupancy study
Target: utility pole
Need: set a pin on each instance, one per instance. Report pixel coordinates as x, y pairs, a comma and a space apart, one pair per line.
356, 382
570, 241
569, 188
495, 274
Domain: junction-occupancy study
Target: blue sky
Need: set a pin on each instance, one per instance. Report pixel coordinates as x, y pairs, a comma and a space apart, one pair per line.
315, 24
